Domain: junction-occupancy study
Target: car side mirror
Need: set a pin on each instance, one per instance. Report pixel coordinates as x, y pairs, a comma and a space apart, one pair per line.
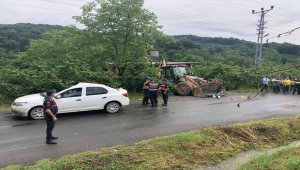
58, 96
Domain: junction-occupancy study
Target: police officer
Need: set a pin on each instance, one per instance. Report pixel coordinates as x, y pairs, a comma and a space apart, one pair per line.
164, 91
153, 91
50, 111
146, 91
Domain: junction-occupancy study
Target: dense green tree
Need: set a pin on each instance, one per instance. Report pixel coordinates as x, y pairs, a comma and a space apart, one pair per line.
126, 29
16, 38
61, 59
228, 51
114, 47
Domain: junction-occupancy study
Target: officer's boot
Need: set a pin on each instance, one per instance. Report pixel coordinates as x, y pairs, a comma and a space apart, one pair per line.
49, 141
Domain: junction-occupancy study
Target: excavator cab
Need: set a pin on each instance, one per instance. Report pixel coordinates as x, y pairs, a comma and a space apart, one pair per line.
172, 73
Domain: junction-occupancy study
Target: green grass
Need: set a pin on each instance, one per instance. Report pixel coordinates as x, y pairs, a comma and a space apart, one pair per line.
4, 107
135, 96
183, 151
4, 103
288, 159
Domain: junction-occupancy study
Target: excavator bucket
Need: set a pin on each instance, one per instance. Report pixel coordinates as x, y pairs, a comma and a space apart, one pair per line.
213, 88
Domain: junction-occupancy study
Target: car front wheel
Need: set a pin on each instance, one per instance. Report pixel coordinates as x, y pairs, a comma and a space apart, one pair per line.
112, 107
37, 113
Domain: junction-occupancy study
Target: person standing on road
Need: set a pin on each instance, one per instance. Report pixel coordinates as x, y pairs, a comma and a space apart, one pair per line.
164, 91
265, 81
146, 92
296, 86
276, 83
287, 84
50, 111
153, 92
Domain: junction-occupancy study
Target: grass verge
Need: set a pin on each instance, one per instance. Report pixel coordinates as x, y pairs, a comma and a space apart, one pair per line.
288, 159
4, 107
4, 104
183, 151
135, 96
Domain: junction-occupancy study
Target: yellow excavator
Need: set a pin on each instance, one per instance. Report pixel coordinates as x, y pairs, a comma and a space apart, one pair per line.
187, 84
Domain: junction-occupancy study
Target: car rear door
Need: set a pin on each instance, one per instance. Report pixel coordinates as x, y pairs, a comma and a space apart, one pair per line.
96, 98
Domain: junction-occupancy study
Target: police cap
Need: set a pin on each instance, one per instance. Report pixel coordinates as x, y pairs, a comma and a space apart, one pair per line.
50, 92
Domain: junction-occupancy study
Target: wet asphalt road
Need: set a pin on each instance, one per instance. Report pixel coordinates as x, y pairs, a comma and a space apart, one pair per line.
22, 140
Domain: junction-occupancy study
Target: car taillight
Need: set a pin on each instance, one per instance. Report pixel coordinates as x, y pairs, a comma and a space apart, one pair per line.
125, 94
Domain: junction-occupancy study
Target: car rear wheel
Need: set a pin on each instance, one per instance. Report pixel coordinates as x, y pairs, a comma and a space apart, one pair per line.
112, 107
37, 113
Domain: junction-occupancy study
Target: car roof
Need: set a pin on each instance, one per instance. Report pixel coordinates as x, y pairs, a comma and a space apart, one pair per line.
83, 84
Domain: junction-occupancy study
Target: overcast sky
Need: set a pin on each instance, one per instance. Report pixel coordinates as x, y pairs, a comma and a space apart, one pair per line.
211, 18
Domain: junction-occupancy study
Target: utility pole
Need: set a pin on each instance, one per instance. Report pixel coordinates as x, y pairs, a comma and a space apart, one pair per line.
261, 26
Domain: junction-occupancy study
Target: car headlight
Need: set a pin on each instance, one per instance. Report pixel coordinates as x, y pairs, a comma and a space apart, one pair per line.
19, 104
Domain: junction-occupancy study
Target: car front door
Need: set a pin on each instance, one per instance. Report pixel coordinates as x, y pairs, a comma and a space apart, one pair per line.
70, 101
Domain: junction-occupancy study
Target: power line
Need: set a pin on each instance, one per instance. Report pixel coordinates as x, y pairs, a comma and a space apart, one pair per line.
58, 2
81, 0
235, 5
223, 4
173, 13
287, 33
162, 11
281, 9
31, 6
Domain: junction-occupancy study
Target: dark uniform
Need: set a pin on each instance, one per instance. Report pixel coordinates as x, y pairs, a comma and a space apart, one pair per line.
276, 85
296, 86
153, 91
49, 104
164, 92
146, 93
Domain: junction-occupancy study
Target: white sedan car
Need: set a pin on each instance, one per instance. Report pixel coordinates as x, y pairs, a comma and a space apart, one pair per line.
81, 97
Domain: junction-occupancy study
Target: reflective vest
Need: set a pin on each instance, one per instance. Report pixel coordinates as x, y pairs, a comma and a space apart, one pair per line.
153, 86
164, 87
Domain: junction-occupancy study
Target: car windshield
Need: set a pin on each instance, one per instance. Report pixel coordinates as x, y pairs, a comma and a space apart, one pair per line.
43, 94
180, 71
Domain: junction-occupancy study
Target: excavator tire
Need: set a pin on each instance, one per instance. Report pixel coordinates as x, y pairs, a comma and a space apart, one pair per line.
184, 89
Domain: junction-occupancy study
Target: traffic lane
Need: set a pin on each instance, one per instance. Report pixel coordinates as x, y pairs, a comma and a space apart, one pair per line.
23, 140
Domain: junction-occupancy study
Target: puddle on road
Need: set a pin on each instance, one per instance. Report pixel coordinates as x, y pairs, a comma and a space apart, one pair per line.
236, 162
291, 106
217, 103
10, 124
3, 126
23, 124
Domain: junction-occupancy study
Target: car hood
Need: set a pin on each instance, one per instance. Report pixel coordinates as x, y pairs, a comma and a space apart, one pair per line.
30, 98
